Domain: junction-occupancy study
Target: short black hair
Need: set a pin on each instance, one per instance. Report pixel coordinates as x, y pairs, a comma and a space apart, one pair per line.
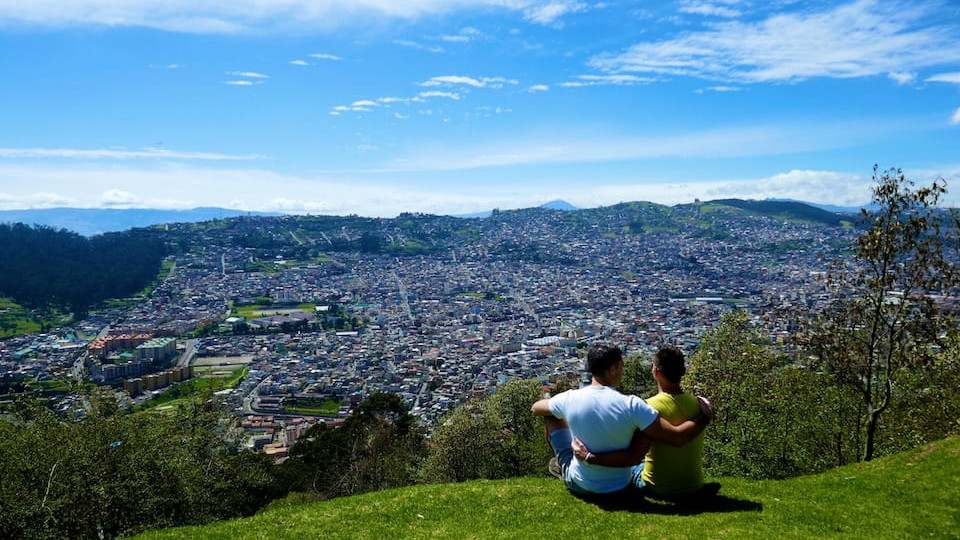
669, 361
601, 357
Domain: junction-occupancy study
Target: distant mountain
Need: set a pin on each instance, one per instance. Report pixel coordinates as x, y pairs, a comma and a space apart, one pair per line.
559, 204
92, 221
789, 210
832, 207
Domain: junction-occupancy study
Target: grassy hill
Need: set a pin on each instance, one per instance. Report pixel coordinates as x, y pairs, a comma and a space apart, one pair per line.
910, 495
785, 210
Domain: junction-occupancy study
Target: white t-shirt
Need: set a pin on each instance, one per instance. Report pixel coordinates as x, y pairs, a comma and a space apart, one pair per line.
605, 420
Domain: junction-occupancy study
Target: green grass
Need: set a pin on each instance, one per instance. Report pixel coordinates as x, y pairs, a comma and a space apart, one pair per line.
182, 392
16, 320
257, 311
909, 495
327, 407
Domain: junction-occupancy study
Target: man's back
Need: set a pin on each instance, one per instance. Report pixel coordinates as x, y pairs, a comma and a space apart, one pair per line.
605, 420
671, 470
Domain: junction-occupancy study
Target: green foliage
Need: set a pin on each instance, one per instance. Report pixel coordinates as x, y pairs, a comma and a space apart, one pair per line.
110, 475
377, 447
42, 267
637, 377
912, 495
772, 420
203, 387
493, 438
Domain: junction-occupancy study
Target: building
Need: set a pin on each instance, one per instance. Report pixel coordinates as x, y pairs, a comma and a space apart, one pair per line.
157, 350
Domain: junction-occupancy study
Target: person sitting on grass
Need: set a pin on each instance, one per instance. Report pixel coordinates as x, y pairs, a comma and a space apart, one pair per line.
606, 421
667, 470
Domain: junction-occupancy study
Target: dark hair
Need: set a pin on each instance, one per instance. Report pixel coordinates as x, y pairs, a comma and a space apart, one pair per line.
669, 361
601, 357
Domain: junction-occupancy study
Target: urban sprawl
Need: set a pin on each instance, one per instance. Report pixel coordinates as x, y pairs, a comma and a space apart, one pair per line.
436, 312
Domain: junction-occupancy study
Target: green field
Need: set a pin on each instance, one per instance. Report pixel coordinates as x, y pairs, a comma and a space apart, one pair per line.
180, 393
16, 320
257, 311
910, 495
327, 407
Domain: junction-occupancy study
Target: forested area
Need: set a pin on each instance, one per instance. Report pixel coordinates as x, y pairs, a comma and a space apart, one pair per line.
42, 267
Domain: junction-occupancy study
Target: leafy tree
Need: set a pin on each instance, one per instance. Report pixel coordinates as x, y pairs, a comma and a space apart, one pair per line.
378, 447
493, 438
111, 475
884, 319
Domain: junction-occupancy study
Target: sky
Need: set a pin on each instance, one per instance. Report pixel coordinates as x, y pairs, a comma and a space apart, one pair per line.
377, 107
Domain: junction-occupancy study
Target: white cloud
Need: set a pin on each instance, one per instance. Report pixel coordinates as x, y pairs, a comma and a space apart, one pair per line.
945, 78
241, 83
231, 16
538, 88
858, 39
607, 80
550, 12
417, 45
252, 189
434, 93
455, 80
454, 38
118, 197
326, 56
299, 62
715, 9
719, 88
902, 77
248, 74
955, 119
109, 153
559, 146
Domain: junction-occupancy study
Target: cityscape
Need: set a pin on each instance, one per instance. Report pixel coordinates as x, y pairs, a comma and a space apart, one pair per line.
315, 331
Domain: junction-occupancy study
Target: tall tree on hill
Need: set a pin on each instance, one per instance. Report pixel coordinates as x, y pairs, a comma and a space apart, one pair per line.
885, 320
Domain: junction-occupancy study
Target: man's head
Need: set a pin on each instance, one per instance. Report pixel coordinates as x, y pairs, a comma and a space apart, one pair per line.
605, 363
668, 363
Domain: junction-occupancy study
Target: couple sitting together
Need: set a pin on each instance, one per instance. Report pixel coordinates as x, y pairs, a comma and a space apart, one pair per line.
606, 442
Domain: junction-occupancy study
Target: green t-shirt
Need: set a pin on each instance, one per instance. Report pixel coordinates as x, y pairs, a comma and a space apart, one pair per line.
671, 470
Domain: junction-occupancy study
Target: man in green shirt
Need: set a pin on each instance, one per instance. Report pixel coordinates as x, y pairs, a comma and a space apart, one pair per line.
668, 470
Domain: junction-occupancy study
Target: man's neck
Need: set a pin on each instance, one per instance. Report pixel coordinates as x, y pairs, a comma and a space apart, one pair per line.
670, 388
599, 382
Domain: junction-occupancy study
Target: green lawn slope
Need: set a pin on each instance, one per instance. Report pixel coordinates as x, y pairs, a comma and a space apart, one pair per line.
911, 495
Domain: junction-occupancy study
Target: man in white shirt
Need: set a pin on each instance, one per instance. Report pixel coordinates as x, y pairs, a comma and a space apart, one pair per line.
606, 421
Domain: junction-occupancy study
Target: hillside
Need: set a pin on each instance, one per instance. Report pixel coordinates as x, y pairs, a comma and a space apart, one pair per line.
91, 221
914, 494
785, 210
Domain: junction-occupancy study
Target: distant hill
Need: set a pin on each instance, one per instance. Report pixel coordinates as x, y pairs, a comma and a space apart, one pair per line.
856, 501
837, 209
92, 221
559, 204
787, 210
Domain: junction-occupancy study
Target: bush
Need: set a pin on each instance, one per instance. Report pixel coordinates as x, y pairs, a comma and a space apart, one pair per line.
493, 438
112, 475
378, 447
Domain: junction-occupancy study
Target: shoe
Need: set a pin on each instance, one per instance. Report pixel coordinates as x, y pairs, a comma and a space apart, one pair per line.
554, 468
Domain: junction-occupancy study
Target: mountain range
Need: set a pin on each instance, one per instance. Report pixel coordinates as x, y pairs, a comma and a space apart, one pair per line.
93, 221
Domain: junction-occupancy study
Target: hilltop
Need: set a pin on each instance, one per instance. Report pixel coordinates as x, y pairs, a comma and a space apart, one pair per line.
93, 221
912, 494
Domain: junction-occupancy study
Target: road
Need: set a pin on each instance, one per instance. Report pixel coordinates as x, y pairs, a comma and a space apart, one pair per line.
188, 353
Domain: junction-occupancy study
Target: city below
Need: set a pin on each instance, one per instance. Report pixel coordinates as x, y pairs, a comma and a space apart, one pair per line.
293, 320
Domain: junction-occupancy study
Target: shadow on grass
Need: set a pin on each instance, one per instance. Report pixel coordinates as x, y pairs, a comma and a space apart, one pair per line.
707, 500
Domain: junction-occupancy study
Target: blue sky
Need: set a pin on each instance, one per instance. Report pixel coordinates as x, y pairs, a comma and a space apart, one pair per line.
451, 106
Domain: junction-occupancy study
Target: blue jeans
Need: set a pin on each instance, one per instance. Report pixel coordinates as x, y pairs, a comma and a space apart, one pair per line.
561, 441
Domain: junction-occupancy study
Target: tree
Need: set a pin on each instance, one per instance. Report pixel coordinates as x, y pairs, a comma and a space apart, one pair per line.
493, 438
379, 446
884, 318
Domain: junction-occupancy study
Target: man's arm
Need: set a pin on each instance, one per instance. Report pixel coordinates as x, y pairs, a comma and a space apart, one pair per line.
633, 455
541, 408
